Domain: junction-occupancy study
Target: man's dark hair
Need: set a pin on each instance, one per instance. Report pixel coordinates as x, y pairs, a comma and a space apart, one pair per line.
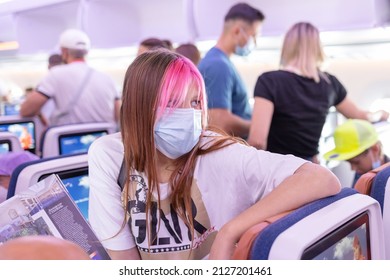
244, 12
155, 43
55, 59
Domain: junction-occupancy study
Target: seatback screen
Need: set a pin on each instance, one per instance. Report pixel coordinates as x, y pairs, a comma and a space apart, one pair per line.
25, 131
351, 241
11, 109
78, 142
5, 146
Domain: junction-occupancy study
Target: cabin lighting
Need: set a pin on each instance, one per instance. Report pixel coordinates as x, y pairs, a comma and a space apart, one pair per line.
10, 45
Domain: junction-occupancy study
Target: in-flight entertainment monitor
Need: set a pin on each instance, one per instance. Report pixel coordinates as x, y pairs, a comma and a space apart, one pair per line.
5, 146
24, 130
350, 241
78, 142
11, 109
76, 182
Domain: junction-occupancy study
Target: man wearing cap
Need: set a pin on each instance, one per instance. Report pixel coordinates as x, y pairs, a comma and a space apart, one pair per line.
80, 94
228, 104
8, 162
357, 142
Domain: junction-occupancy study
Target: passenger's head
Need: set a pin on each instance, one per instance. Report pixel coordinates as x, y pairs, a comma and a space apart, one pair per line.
153, 44
357, 142
242, 25
302, 49
74, 44
54, 60
190, 51
157, 82
9, 161
28, 90
41, 248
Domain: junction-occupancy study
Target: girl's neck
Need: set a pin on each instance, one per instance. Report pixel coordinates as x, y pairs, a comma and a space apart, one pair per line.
165, 167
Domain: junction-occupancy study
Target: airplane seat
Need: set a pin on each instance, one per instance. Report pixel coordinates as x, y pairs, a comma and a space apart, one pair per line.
294, 235
380, 184
31, 172
27, 130
373, 182
9, 142
376, 184
72, 138
244, 246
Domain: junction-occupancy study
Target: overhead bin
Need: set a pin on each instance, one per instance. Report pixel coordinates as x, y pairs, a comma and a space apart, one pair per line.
328, 15
36, 25
38, 29
124, 23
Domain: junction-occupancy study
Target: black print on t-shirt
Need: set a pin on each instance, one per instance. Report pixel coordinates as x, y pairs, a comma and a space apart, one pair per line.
175, 233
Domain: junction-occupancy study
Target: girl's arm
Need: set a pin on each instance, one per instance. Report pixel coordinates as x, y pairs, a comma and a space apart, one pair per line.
309, 182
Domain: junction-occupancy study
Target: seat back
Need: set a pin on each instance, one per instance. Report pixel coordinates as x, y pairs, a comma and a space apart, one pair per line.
31, 172
72, 170
27, 130
386, 205
375, 183
290, 235
9, 142
365, 182
73, 138
244, 246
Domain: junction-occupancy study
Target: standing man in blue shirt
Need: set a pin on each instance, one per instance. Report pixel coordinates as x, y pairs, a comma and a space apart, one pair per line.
228, 104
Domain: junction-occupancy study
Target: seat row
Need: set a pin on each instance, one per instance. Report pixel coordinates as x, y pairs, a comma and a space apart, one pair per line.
18, 133
349, 225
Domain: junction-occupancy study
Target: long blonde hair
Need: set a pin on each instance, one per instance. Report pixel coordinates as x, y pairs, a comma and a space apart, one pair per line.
302, 50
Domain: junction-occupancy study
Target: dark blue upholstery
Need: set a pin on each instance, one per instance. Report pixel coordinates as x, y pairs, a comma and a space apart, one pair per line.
378, 187
16, 172
263, 242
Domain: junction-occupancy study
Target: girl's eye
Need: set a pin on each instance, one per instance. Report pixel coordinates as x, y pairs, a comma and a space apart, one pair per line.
195, 103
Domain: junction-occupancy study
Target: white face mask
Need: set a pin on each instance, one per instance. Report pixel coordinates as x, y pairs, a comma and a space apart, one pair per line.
177, 132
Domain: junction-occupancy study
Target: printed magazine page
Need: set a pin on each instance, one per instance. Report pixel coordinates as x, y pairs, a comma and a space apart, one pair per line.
47, 209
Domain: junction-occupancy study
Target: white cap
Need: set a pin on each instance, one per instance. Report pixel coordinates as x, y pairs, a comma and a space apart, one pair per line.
75, 39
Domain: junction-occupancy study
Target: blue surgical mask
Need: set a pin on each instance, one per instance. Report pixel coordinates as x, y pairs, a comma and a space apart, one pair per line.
376, 164
177, 132
245, 50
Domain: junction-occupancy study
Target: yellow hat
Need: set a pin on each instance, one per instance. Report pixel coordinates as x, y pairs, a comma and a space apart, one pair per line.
351, 139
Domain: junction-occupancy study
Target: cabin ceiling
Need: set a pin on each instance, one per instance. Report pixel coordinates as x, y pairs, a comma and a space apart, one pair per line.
36, 24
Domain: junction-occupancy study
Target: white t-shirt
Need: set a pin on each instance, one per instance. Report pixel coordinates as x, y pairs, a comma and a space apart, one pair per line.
3, 194
96, 101
226, 182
